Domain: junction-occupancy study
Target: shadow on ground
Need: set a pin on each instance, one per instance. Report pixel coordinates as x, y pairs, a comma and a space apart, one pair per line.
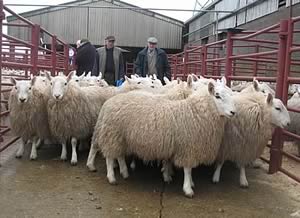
48, 187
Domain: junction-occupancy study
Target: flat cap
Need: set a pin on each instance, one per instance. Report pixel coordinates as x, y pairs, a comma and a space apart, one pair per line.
152, 40
110, 38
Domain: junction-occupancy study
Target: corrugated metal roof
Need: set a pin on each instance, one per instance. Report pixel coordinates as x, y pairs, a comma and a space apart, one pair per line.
130, 28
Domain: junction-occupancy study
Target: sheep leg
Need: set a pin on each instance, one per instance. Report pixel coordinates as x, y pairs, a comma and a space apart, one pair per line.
110, 171
123, 167
243, 179
20, 151
91, 159
74, 153
38, 143
257, 163
132, 164
63, 155
167, 170
216, 177
187, 184
33, 154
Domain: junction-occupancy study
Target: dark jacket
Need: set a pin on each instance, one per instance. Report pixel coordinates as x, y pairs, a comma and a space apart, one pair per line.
118, 62
162, 64
85, 58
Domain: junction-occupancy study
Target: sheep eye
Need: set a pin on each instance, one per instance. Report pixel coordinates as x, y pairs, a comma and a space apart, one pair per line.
29, 88
139, 83
152, 82
51, 83
16, 87
77, 80
263, 91
277, 108
65, 84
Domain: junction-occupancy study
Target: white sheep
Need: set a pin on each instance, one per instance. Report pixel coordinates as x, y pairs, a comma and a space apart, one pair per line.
294, 102
183, 131
28, 113
247, 133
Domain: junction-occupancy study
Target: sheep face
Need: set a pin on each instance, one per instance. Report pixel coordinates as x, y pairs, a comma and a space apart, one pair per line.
59, 85
77, 79
138, 82
222, 98
23, 90
280, 115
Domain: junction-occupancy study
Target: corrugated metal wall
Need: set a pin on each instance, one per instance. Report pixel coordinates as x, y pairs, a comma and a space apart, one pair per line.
131, 28
262, 8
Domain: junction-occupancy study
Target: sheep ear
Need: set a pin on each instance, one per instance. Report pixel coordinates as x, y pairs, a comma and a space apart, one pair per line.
270, 99
70, 76
127, 79
194, 77
136, 75
211, 88
255, 84
178, 80
13, 81
48, 76
89, 74
33, 80
190, 81
201, 77
154, 76
81, 77
223, 80
167, 81
100, 75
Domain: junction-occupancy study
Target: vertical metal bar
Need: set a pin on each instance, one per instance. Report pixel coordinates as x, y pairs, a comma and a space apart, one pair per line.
229, 52
35, 32
12, 54
2, 17
53, 55
26, 62
185, 65
203, 60
277, 139
255, 66
175, 67
66, 56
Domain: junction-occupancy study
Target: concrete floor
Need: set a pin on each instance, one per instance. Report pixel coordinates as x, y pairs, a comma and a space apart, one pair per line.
49, 188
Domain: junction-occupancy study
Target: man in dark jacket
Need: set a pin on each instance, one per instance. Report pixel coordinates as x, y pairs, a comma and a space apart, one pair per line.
152, 60
110, 62
85, 57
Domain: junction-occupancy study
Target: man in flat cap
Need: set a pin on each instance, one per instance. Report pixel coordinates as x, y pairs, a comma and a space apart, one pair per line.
110, 62
152, 60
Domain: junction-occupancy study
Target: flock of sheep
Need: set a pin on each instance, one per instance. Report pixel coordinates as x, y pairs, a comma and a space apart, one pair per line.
182, 124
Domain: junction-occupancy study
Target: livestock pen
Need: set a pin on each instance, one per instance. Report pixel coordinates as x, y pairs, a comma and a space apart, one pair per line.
28, 57
269, 55
49, 188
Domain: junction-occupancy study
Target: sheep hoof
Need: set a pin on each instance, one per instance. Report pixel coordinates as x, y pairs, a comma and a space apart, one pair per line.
112, 181
189, 193
215, 180
63, 158
125, 175
73, 162
132, 165
33, 157
19, 156
91, 168
167, 179
244, 186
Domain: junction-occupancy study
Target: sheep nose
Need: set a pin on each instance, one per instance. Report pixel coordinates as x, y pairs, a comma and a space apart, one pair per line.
232, 113
56, 96
152, 87
22, 100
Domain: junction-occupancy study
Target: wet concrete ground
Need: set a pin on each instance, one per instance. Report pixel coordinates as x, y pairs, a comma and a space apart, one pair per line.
48, 187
